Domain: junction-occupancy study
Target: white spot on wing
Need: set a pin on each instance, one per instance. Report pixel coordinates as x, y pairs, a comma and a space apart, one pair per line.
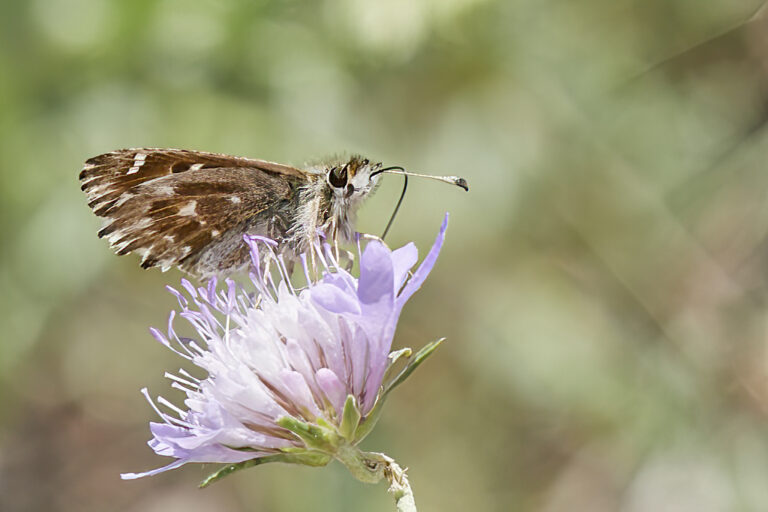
115, 236
188, 209
143, 223
97, 190
122, 245
100, 205
90, 178
144, 252
215, 232
138, 161
235, 200
196, 167
169, 238
186, 250
123, 198
165, 190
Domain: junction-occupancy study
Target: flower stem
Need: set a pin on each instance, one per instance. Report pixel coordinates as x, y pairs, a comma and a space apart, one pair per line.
400, 487
372, 467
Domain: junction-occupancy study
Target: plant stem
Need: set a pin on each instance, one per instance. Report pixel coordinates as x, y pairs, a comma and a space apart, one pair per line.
400, 487
372, 467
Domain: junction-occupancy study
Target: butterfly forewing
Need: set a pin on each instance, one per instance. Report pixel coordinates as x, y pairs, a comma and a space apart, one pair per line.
188, 208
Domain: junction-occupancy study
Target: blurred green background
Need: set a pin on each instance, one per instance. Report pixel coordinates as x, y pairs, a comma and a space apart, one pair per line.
602, 289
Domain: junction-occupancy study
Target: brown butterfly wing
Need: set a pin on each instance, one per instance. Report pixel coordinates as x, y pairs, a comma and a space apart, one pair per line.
187, 208
105, 177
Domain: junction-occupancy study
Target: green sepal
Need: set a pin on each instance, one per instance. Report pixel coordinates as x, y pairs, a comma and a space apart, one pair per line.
370, 421
350, 419
324, 424
397, 354
314, 436
412, 364
306, 458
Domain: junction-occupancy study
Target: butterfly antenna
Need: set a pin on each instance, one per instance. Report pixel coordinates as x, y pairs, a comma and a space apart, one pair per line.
396, 169
451, 180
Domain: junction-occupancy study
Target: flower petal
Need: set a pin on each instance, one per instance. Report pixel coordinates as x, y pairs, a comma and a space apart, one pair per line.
377, 278
403, 259
334, 299
173, 465
332, 387
426, 266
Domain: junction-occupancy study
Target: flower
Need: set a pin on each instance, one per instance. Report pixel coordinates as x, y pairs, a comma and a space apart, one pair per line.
292, 375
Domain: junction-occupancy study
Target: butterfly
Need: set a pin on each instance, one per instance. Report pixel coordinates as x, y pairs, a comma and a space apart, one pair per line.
191, 209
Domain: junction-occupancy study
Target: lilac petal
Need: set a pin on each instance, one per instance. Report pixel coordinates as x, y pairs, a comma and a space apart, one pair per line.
403, 259
356, 350
182, 300
298, 357
173, 465
372, 385
263, 239
334, 299
332, 387
254, 251
341, 280
324, 335
294, 385
231, 293
189, 287
376, 293
159, 337
176, 440
219, 453
426, 266
376, 274
212, 283
214, 453
193, 444
378, 358
378, 361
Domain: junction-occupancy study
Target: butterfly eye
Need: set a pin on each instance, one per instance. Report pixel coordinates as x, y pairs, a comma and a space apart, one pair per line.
338, 177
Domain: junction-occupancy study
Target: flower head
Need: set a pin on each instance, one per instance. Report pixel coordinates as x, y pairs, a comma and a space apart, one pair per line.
292, 375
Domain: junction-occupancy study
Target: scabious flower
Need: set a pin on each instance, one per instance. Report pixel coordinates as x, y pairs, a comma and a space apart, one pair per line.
294, 376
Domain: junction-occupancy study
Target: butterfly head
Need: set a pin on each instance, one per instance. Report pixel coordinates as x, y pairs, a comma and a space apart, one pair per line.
352, 180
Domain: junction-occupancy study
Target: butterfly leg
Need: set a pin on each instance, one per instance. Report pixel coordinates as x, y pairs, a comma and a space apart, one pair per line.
267, 265
347, 260
335, 236
336, 249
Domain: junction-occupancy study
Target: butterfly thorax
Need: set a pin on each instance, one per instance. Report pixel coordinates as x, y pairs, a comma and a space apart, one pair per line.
328, 204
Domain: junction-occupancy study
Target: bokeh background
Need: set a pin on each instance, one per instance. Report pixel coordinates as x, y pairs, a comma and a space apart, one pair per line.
602, 289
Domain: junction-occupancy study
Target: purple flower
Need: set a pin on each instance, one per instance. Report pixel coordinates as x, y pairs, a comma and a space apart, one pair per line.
292, 375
